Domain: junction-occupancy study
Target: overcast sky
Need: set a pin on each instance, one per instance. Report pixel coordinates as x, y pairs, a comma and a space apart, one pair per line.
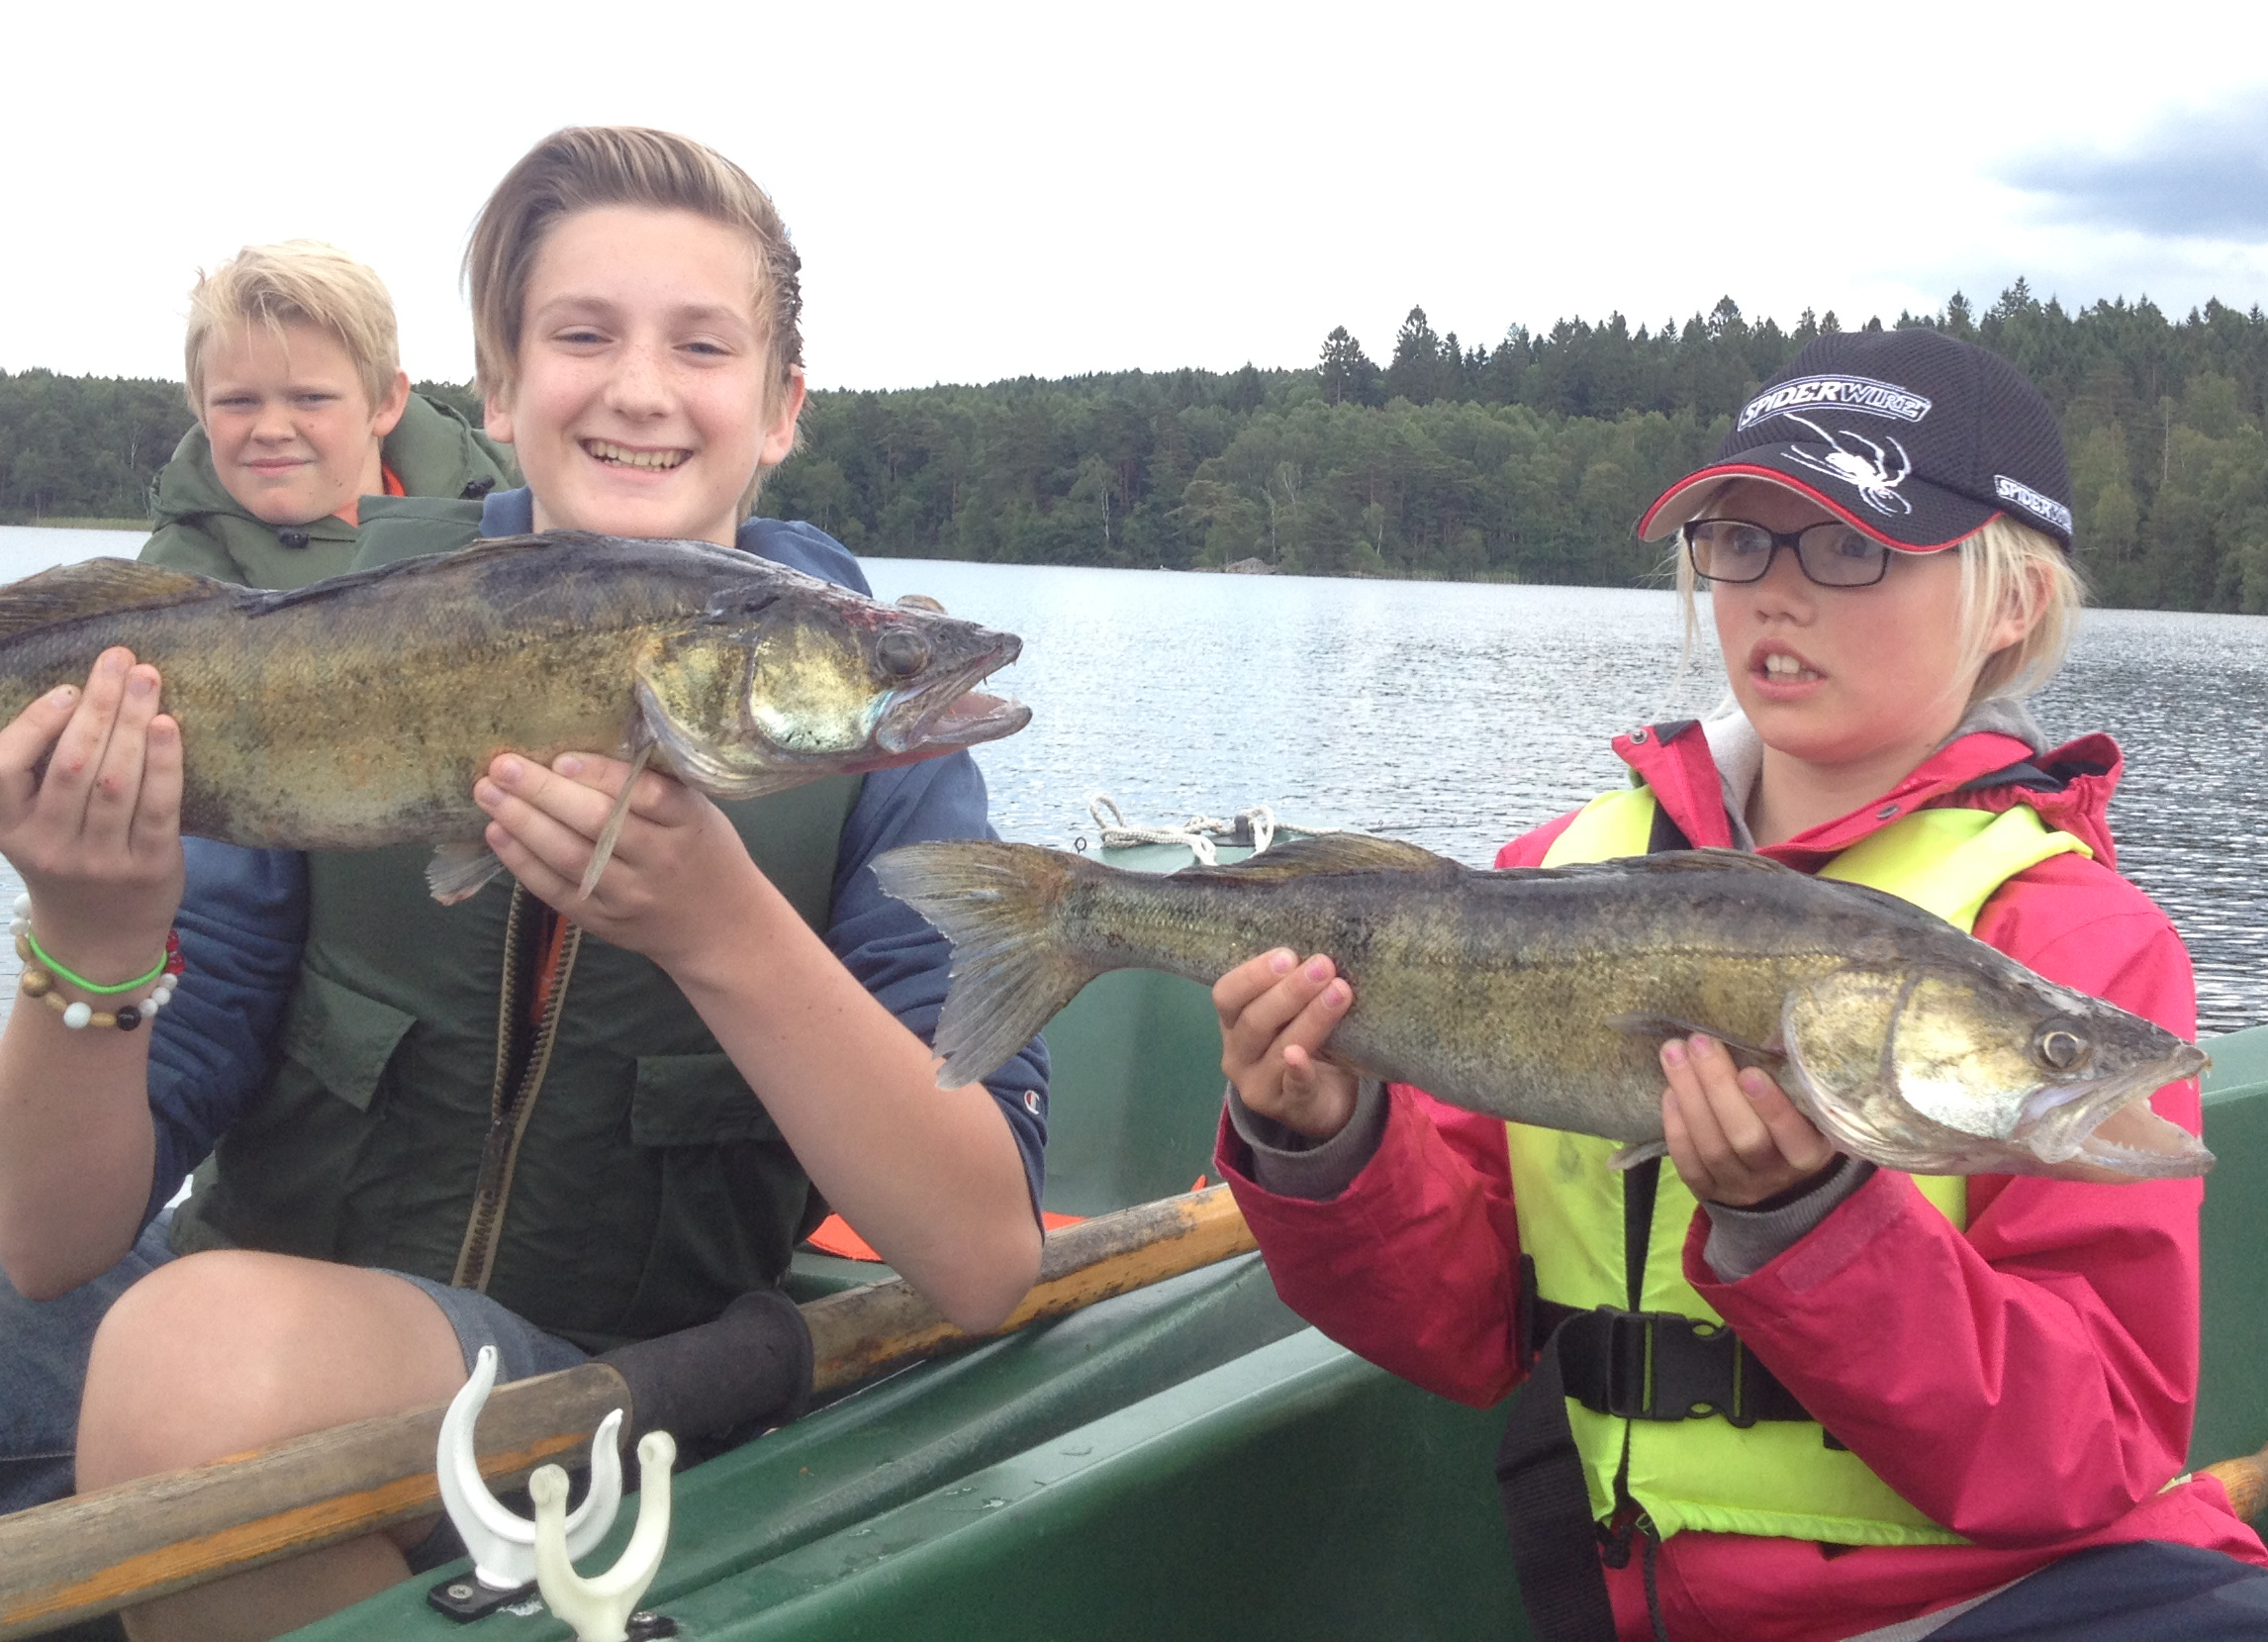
982, 190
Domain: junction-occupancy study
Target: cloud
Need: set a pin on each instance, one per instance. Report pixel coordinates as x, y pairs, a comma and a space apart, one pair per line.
2193, 173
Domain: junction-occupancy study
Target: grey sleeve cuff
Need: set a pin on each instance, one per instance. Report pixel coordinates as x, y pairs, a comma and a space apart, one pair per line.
1292, 1165
1744, 1241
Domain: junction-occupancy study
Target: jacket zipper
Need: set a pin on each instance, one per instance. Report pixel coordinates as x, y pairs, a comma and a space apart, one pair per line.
510, 1110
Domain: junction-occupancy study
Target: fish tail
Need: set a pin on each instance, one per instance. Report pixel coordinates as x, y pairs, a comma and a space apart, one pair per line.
998, 905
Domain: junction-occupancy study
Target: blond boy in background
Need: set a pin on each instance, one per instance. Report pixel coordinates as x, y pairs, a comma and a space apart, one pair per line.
302, 409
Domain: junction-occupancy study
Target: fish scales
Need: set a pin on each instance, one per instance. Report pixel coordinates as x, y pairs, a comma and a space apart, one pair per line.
1447, 977
1542, 995
352, 722
358, 712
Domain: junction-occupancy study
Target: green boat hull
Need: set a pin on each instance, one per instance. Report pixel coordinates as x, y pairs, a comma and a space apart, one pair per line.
1190, 1460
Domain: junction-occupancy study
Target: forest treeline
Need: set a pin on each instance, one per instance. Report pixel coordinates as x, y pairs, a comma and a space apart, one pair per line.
1529, 459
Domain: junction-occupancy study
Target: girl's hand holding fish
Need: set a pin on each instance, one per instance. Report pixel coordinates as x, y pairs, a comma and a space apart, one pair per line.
96, 835
1276, 1014
660, 887
1733, 1138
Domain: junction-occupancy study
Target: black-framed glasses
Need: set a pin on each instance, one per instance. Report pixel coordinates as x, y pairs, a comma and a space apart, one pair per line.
1832, 554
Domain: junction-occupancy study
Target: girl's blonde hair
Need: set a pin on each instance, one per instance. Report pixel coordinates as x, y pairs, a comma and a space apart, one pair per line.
297, 282
2012, 568
2005, 566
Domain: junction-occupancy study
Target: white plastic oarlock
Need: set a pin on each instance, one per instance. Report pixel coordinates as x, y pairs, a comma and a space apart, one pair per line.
600, 1607
502, 1543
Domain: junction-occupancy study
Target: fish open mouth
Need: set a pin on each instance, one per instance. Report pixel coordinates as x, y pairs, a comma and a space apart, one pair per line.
2103, 1128
948, 711
2093, 1128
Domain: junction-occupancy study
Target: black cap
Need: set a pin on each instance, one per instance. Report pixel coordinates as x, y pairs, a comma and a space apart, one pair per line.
1912, 436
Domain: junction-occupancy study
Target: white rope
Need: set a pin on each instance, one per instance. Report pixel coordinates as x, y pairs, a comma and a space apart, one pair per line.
1200, 836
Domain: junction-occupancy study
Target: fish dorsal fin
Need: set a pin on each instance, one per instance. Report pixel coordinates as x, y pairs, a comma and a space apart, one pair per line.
97, 587
1331, 852
1716, 860
1668, 863
506, 547
498, 547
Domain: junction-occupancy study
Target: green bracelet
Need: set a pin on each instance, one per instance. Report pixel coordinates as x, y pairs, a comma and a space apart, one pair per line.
81, 982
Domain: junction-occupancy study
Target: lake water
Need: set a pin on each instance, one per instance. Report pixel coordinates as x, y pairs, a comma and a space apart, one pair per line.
1457, 714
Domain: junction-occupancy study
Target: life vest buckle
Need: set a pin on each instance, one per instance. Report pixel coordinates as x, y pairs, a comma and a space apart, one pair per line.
1662, 1366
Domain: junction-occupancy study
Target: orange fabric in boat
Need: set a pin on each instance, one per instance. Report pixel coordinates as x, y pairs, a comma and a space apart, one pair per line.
834, 1236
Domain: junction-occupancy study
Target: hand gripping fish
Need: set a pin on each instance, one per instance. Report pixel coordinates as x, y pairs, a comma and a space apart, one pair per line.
1541, 994
358, 712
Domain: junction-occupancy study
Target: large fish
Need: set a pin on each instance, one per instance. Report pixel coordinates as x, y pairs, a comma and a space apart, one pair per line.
358, 712
1542, 994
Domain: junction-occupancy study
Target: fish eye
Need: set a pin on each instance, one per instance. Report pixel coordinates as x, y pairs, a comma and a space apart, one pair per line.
2061, 1049
902, 653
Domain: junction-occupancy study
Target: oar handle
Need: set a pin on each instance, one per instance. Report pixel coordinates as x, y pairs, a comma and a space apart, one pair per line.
99, 1552
862, 1332
2246, 1481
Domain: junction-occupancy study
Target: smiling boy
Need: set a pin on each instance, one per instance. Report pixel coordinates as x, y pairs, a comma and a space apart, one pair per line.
303, 409
741, 1046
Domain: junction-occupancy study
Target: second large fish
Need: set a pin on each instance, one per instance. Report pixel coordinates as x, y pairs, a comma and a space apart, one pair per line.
358, 712
1541, 994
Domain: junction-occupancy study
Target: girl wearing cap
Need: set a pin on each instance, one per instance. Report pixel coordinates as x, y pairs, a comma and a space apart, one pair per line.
1957, 1407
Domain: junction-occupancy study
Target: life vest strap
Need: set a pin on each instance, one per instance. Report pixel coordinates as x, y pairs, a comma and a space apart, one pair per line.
1662, 1366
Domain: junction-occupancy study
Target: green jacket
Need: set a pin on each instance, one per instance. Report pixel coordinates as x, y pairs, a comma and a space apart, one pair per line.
606, 1172
200, 527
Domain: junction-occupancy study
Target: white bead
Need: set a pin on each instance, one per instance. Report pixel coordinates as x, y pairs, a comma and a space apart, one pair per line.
19, 927
23, 905
77, 1016
153, 1002
163, 996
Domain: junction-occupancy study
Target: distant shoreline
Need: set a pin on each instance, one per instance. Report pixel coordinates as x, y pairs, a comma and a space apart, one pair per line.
78, 524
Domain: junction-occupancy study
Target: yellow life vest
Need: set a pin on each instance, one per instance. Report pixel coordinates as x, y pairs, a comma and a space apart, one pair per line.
1776, 1477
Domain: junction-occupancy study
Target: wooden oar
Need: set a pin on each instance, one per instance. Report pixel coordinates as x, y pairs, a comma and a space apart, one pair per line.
99, 1552
2246, 1481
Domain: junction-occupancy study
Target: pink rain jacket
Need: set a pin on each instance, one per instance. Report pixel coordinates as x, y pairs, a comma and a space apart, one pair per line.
2028, 1383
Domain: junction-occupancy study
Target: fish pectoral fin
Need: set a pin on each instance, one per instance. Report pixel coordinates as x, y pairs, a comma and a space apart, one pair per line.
1636, 1152
96, 587
1639, 1023
1327, 853
611, 833
459, 871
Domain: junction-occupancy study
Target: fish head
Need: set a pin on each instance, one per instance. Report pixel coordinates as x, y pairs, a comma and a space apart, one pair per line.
773, 685
1986, 1068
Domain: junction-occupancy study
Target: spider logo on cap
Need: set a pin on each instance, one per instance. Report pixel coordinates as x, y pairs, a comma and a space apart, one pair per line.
1870, 475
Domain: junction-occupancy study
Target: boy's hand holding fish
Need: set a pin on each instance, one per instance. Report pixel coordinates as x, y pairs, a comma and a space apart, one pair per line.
660, 888
90, 810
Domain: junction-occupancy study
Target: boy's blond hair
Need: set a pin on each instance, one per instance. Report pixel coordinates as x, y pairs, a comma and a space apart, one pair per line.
302, 282
2005, 565
585, 166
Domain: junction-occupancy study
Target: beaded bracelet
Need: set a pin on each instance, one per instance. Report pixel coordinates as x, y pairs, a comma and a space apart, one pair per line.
41, 973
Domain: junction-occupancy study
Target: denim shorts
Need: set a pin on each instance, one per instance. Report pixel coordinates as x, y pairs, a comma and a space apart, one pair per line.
45, 1346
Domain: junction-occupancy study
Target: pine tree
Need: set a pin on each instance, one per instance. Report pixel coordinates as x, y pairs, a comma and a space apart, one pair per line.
1415, 375
1347, 375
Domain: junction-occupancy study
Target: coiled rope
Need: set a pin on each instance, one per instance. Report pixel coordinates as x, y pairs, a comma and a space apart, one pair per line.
1200, 836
